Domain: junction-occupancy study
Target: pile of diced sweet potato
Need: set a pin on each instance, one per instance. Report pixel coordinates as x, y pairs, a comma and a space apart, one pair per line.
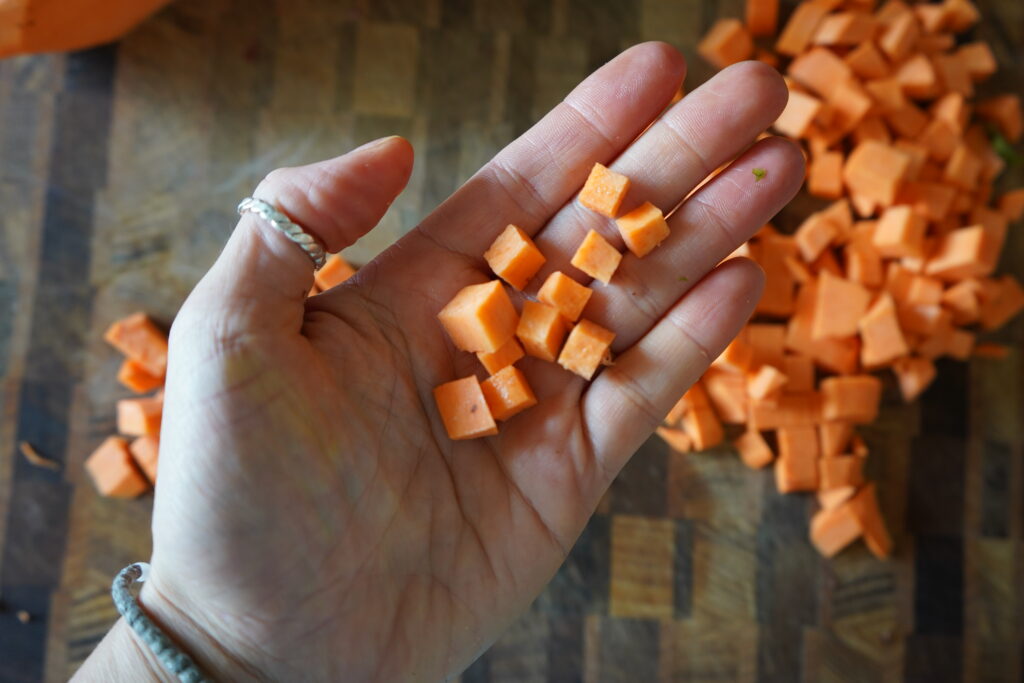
896, 272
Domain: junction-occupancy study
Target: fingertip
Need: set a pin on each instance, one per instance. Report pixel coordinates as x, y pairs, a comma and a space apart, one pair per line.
663, 57
747, 276
758, 83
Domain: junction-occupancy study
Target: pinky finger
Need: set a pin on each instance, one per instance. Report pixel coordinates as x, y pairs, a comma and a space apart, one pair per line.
629, 399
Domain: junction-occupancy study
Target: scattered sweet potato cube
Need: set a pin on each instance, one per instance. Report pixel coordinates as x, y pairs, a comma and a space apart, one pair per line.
507, 393
514, 257
146, 452
140, 340
834, 528
113, 471
596, 257
140, 416
541, 330
587, 346
854, 398
464, 410
508, 354
754, 450
604, 191
765, 383
134, 376
796, 468
882, 339
839, 307
565, 294
834, 436
899, 232
335, 271
480, 318
643, 229
726, 42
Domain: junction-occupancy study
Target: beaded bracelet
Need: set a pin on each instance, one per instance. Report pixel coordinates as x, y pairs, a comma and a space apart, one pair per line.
169, 654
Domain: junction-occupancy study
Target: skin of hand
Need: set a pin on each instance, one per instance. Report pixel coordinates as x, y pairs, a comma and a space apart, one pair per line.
313, 521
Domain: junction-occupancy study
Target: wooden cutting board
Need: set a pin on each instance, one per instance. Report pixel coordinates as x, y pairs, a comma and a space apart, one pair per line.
119, 171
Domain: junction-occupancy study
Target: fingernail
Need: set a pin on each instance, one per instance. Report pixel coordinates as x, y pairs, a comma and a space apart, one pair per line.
380, 142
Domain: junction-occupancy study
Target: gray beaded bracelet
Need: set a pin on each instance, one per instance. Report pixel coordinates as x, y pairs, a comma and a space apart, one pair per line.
173, 659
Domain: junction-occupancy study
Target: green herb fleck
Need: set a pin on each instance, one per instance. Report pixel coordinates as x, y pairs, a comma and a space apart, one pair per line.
683, 278
759, 173
1003, 148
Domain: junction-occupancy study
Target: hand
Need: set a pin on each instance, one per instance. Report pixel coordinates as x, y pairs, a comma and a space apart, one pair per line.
313, 520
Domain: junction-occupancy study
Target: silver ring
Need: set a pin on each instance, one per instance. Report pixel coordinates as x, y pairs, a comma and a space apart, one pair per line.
293, 231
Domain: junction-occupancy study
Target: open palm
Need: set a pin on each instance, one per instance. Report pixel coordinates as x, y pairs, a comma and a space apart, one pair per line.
313, 520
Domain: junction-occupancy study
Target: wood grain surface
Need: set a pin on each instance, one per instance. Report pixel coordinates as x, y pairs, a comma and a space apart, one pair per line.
119, 171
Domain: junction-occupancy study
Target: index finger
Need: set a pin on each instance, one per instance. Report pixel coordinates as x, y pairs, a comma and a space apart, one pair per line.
540, 171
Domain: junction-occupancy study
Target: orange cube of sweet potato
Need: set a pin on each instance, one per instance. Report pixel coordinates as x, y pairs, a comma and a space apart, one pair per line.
725, 43
754, 450
800, 112
913, 374
140, 416
796, 468
508, 354
587, 346
565, 294
335, 271
834, 436
507, 393
643, 229
865, 508
596, 257
834, 527
765, 383
146, 452
514, 257
464, 410
839, 306
604, 191
899, 232
134, 376
881, 336
541, 330
113, 471
142, 341
703, 427
875, 170
480, 317
854, 398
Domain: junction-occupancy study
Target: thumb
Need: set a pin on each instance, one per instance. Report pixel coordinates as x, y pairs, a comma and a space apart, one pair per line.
261, 278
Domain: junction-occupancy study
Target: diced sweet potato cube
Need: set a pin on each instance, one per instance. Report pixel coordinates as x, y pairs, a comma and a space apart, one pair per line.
917, 77
796, 468
765, 382
768, 342
335, 271
834, 528
509, 353
703, 427
875, 171
146, 452
113, 471
887, 94
962, 300
820, 70
1011, 204
788, 410
514, 257
953, 74
899, 232
799, 371
825, 178
800, 112
677, 439
140, 340
596, 257
854, 398
507, 393
754, 450
480, 318
837, 355
839, 307
882, 338
585, 349
958, 254
541, 330
565, 294
814, 234
695, 397
643, 229
1005, 112
140, 416
863, 265
464, 410
727, 392
134, 376
762, 17
726, 42
1008, 302
777, 298
834, 436
841, 470
866, 61
924, 291
829, 499
604, 191
899, 37
907, 120
800, 29
913, 375
845, 28
865, 508
737, 356
978, 59
962, 168
923, 320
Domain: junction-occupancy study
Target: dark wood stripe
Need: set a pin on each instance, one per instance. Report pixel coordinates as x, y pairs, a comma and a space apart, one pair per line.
787, 580
478, 672
582, 582
683, 574
996, 500
565, 649
632, 492
939, 585
629, 650
933, 659
53, 366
